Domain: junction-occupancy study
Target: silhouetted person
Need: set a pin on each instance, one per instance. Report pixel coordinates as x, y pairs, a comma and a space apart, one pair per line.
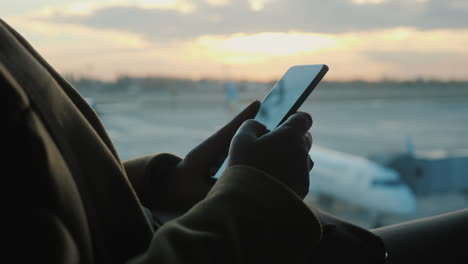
69, 198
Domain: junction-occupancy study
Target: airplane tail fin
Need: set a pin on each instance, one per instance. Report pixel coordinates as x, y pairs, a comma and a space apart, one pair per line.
409, 146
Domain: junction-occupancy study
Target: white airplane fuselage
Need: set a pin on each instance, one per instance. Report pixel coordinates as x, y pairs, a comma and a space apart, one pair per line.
359, 181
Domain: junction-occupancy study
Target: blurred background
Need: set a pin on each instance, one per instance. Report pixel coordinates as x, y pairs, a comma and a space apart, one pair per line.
390, 117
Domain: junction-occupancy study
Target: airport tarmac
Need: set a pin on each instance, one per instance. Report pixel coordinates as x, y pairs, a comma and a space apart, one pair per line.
147, 123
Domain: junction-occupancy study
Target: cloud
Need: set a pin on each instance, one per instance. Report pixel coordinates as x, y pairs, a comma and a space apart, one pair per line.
87, 7
218, 2
368, 2
255, 48
397, 52
240, 16
444, 65
257, 43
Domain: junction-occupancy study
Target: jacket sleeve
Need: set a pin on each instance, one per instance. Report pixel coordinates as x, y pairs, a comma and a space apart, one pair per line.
247, 217
141, 172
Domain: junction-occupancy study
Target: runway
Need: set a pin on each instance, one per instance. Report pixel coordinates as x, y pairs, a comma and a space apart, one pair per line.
360, 120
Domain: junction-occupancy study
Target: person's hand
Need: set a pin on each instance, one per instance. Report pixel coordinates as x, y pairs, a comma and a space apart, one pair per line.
191, 179
283, 153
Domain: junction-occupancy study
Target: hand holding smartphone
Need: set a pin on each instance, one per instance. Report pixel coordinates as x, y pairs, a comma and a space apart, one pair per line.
286, 96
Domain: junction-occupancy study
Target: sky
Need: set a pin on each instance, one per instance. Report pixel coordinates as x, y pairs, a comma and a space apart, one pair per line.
247, 39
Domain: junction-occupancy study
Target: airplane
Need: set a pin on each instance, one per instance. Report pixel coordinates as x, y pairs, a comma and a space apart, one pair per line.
431, 171
359, 181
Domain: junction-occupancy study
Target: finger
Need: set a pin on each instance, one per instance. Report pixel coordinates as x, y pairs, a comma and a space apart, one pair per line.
248, 113
308, 140
222, 138
213, 149
299, 122
310, 163
251, 130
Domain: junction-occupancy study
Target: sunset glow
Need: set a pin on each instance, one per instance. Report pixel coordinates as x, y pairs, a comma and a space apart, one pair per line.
75, 45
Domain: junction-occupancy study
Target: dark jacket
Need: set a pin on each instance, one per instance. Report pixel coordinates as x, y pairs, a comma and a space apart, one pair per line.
71, 200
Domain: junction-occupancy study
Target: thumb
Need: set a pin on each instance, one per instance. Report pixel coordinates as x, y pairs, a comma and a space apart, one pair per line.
244, 142
250, 130
299, 123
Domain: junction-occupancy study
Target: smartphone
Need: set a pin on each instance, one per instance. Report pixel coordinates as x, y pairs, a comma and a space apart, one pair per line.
286, 96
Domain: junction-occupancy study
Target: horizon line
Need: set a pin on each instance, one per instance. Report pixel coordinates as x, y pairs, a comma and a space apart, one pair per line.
77, 77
